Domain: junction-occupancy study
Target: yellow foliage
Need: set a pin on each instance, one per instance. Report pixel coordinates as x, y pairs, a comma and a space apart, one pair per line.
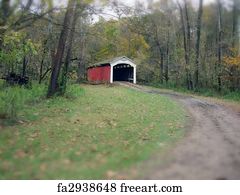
232, 61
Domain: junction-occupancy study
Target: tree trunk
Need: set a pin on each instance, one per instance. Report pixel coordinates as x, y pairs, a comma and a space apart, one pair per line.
4, 14
199, 24
69, 51
57, 60
24, 66
188, 29
188, 43
81, 63
81, 73
235, 24
185, 45
160, 53
238, 32
167, 53
219, 53
42, 61
161, 67
44, 75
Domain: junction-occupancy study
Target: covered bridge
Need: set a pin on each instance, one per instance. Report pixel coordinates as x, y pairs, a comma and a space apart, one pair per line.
117, 69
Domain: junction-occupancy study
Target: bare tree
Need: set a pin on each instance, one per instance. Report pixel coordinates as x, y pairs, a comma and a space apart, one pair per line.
4, 14
186, 40
199, 24
167, 51
219, 43
235, 23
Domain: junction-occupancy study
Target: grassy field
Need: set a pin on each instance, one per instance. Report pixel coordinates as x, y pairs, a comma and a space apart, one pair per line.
101, 132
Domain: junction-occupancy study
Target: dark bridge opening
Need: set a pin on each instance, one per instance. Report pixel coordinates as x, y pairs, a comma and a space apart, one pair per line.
123, 72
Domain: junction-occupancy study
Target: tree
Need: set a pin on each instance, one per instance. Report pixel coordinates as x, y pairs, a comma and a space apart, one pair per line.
199, 23
16, 48
219, 43
69, 49
18, 15
235, 18
186, 41
57, 60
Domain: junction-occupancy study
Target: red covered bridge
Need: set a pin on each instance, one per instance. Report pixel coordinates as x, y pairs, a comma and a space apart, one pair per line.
117, 69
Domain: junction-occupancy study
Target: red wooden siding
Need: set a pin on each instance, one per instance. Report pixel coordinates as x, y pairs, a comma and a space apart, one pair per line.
99, 74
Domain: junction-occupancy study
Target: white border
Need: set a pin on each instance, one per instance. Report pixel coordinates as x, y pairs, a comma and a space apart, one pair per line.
189, 187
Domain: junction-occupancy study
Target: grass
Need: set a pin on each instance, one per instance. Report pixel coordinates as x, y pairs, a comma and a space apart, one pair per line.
16, 98
102, 131
225, 94
13, 99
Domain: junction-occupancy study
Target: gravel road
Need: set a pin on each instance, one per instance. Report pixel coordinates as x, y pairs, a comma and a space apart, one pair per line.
210, 149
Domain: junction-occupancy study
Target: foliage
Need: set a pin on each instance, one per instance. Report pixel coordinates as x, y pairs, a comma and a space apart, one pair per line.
114, 38
232, 69
232, 60
152, 36
15, 48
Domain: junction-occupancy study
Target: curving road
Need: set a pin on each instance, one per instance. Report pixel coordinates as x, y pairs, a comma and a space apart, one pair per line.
211, 148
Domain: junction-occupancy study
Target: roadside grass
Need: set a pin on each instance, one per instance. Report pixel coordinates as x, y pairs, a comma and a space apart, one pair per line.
101, 131
231, 100
224, 95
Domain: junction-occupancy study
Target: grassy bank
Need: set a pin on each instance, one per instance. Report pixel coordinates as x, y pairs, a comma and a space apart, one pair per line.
102, 131
224, 94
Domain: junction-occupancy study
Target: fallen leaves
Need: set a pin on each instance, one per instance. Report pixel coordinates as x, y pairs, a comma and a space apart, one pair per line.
6, 165
66, 161
110, 174
93, 148
78, 153
111, 122
21, 122
87, 142
33, 135
20, 154
43, 167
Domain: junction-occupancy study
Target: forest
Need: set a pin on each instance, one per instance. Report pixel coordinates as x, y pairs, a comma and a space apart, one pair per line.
179, 44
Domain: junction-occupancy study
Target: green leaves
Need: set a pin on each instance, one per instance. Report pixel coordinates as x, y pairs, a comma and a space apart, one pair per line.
15, 47
114, 38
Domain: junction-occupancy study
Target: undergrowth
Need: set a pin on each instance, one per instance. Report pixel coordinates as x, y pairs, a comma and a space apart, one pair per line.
14, 98
224, 94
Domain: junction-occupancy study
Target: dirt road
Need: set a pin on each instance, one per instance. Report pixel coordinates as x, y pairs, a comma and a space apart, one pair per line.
210, 149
